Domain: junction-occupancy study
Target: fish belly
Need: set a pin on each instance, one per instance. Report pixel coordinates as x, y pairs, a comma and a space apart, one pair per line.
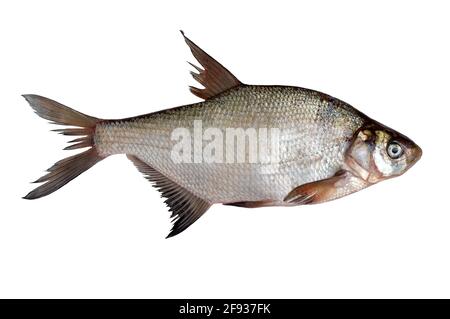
314, 131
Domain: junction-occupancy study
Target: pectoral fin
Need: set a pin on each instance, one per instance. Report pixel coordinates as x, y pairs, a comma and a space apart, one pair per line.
319, 191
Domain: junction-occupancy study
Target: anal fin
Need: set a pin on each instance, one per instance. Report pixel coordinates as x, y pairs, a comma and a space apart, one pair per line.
186, 207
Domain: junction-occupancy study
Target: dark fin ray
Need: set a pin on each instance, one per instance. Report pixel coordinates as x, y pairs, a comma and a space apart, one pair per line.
74, 131
58, 113
70, 167
81, 142
186, 207
316, 192
81, 139
62, 174
254, 204
214, 77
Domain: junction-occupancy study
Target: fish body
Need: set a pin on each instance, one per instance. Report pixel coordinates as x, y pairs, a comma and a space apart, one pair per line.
315, 131
244, 145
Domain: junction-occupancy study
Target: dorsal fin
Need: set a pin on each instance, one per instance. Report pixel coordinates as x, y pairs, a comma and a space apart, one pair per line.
186, 208
214, 77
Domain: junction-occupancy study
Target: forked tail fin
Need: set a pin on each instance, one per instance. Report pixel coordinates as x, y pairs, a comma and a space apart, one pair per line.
68, 168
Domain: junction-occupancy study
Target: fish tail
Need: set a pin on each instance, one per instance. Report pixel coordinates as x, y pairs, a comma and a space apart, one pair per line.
68, 168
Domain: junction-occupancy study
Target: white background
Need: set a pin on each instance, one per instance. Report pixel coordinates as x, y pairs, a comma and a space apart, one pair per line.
102, 235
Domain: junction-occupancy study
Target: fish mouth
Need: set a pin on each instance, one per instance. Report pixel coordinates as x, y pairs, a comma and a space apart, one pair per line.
416, 154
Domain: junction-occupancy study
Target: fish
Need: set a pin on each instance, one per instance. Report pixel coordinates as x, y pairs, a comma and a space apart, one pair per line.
319, 148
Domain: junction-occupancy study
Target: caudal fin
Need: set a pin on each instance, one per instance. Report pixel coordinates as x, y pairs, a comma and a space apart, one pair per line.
68, 168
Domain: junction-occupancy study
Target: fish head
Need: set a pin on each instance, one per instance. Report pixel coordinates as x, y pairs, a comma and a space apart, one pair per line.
378, 152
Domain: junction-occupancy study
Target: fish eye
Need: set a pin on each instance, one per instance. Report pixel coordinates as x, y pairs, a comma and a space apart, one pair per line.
394, 150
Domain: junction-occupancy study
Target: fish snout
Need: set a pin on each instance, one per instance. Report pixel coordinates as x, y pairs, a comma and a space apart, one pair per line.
414, 155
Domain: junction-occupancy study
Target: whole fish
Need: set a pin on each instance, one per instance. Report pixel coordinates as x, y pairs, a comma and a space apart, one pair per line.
324, 148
